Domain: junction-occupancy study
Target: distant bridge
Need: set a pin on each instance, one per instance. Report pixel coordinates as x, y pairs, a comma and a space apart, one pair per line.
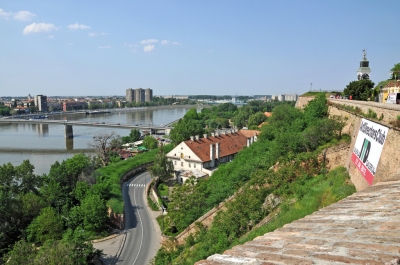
68, 125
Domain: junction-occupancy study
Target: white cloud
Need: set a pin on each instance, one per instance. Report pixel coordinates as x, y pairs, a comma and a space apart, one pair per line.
104, 47
3, 14
78, 26
24, 15
148, 41
166, 42
148, 48
130, 45
39, 27
92, 34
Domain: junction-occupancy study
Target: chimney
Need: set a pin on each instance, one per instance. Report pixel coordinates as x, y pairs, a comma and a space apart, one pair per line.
197, 137
212, 155
205, 135
217, 150
192, 138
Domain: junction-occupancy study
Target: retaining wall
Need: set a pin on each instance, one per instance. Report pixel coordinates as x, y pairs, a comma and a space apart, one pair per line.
389, 162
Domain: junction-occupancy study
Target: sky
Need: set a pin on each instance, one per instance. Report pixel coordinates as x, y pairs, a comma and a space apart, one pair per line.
215, 47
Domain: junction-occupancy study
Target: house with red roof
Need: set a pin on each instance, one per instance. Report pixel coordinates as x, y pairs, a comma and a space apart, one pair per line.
199, 157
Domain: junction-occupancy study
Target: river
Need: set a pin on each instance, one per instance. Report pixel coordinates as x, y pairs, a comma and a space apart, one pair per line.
44, 144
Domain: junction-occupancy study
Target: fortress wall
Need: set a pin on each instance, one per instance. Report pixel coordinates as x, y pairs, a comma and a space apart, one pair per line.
389, 162
303, 101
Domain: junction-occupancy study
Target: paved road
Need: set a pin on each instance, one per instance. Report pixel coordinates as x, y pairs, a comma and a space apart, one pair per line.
143, 235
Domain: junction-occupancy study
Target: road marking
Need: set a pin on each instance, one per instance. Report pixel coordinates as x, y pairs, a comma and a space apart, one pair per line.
137, 185
141, 239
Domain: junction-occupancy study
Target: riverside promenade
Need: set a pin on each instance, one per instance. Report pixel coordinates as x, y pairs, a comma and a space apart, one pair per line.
363, 228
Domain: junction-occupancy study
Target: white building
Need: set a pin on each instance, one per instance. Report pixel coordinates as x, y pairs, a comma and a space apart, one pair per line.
199, 157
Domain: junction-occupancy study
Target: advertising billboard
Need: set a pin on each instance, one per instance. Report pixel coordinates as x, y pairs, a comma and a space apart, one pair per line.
368, 148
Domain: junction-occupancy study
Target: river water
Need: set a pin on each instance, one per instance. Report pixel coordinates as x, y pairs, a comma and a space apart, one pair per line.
44, 144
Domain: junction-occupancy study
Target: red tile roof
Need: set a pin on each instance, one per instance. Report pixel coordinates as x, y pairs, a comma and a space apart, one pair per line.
230, 143
393, 84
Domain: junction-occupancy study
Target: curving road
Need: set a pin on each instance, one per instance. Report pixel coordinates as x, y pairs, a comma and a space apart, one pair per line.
142, 232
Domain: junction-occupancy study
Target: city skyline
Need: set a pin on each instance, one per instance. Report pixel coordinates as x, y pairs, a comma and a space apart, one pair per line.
192, 48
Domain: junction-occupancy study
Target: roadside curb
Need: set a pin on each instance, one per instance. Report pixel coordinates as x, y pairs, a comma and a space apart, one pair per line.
105, 238
121, 246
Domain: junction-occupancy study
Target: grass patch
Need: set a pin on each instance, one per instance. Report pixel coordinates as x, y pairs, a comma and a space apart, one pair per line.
113, 173
313, 94
163, 189
323, 190
152, 204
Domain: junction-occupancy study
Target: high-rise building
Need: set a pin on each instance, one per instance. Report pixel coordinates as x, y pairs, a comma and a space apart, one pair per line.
130, 95
148, 94
139, 95
41, 103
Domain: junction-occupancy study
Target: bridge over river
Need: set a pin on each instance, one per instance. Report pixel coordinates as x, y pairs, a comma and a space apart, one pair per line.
151, 128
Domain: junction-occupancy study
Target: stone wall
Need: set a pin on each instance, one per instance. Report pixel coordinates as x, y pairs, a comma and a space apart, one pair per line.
303, 101
388, 112
389, 162
336, 156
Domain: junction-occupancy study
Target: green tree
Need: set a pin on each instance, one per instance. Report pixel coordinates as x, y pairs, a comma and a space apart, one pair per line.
163, 167
359, 90
21, 253
256, 119
94, 212
316, 109
185, 128
29, 182
150, 142
395, 72
134, 135
47, 226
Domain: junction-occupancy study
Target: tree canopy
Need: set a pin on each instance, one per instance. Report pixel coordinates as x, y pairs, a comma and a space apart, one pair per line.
359, 90
162, 167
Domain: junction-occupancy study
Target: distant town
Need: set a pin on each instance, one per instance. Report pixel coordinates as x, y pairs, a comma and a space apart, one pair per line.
133, 98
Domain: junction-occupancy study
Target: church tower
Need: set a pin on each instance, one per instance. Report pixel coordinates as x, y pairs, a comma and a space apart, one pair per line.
364, 70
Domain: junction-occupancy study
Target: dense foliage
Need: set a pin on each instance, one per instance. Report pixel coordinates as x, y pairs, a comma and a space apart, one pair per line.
162, 167
395, 72
360, 90
4, 111
222, 116
150, 142
292, 138
189, 125
59, 211
133, 136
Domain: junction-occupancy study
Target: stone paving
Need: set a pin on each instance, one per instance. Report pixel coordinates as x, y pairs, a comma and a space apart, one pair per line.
363, 228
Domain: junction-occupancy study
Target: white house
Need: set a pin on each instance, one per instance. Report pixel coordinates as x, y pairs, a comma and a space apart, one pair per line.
199, 157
